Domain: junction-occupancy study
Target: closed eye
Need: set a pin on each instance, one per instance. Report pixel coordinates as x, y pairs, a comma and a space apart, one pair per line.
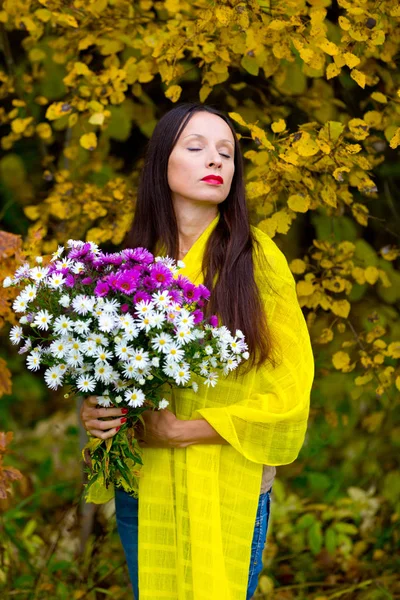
198, 149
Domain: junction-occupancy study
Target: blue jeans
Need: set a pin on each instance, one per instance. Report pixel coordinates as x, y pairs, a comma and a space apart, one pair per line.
126, 509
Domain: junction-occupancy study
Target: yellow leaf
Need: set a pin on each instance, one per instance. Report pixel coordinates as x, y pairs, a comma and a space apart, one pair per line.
332, 70
278, 25
98, 493
359, 275
238, 118
58, 110
363, 379
373, 118
44, 131
398, 382
224, 14
326, 336
81, 68
88, 141
328, 195
306, 146
341, 308
260, 137
205, 91
19, 125
299, 203
278, 126
97, 118
338, 173
323, 146
360, 213
390, 253
371, 275
36, 55
351, 60
340, 359
344, 23
298, 266
173, 93
328, 47
379, 97
32, 212
358, 77
395, 140
255, 189
304, 288
64, 19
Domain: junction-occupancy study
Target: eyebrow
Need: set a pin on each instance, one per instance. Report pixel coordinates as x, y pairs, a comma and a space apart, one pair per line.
202, 136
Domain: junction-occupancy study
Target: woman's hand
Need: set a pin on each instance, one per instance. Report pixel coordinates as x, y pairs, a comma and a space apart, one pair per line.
163, 430
93, 418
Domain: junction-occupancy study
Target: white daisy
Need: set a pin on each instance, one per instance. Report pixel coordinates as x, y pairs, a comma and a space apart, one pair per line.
23, 320
38, 273
103, 373
33, 361
29, 293
161, 342
99, 339
140, 358
208, 349
110, 306
22, 272
144, 322
170, 368
89, 348
144, 307
161, 299
182, 375
53, 377
102, 355
82, 327
211, 379
123, 351
65, 301
74, 358
76, 345
59, 348
56, 280
26, 347
62, 325
125, 320
7, 282
174, 353
155, 361
119, 385
134, 397
83, 304
183, 336
57, 253
104, 401
106, 322
64, 263
185, 319
16, 334
246, 355
62, 368
19, 304
195, 387
77, 267
86, 383
204, 368
163, 404
39, 259
42, 319
131, 332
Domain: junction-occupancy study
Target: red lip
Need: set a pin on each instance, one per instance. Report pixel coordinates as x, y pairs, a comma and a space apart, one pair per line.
213, 178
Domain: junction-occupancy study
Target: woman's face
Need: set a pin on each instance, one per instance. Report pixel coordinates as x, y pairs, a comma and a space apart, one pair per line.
205, 148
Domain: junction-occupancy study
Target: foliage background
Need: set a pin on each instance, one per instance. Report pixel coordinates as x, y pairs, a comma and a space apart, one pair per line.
314, 89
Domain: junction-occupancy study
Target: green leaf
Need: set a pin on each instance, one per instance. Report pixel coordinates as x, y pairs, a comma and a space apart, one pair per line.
315, 538
250, 64
330, 540
348, 528
306, 521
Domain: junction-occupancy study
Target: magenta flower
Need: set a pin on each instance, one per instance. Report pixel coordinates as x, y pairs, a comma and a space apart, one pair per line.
141, 295
214, 321
181, 281
126, 283
198, 316
140, 255
176, 296
80, 252
161, 276
112, 279
204, 292
124, 308
87, 280
112, 259
102, 288
70, 281
191, 292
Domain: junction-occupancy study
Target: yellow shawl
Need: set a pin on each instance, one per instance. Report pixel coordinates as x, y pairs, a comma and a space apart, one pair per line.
197, 505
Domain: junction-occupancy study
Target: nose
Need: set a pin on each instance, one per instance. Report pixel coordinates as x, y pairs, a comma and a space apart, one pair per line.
214, 158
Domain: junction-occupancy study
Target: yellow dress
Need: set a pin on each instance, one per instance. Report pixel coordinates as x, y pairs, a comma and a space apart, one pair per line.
197, 505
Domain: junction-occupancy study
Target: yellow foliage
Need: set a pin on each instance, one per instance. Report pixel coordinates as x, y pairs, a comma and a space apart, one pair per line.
174, 92
340, 359
88, 141
299, 203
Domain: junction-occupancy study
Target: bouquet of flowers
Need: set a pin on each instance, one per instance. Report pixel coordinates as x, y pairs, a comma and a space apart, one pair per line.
120, 326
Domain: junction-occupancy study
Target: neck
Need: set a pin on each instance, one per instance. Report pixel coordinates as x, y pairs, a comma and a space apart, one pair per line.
192, 221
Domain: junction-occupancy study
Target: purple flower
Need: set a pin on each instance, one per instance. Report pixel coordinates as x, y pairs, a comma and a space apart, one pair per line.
176, 296
204, 292
141, 295
87, 280
102, 288
214, 321
79, 252
112, 259
181, 281
161, 276
125, 283
198, 316
70, 281
191, 292
140, 255
148, 283
124, 308
112, 279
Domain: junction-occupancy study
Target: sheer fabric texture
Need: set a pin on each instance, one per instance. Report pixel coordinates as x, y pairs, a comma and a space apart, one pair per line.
198, 504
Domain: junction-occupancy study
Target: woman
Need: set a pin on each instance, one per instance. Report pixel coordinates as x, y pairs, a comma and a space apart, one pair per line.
198, 529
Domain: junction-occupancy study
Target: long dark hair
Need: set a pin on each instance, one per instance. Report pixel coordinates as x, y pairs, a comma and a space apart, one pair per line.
235, 298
